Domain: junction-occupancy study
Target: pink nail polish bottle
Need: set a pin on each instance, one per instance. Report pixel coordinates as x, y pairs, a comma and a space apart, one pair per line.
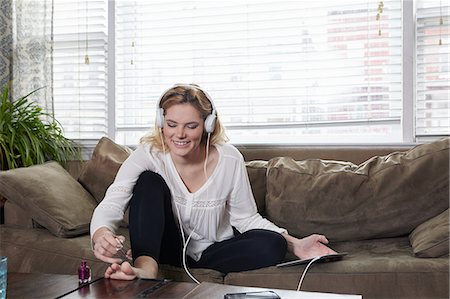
84, 273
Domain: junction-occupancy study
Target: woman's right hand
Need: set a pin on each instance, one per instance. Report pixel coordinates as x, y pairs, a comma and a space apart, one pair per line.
106, 245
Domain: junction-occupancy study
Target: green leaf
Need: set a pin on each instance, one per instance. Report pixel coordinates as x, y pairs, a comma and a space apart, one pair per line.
29, 135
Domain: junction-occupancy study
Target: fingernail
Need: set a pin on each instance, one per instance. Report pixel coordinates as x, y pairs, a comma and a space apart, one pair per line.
119, 245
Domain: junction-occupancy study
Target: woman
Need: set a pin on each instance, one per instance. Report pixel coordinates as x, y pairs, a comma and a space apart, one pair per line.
187, 189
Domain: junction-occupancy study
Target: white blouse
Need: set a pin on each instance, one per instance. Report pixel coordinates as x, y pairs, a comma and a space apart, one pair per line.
224, 201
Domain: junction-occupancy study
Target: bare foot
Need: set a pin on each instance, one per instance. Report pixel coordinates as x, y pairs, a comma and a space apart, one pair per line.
145, 267
123, 271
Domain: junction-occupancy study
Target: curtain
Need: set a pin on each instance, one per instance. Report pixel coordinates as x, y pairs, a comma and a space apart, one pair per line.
32, 50
5, 42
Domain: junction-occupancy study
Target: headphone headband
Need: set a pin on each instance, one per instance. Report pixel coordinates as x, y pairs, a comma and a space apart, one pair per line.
210, 120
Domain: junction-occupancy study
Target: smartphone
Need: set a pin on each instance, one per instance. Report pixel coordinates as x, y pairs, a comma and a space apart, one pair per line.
253, 295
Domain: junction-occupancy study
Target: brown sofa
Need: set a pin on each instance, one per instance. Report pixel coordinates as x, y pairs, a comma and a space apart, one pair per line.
386, 206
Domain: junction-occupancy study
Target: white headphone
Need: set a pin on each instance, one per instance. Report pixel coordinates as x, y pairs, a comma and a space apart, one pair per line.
210, 120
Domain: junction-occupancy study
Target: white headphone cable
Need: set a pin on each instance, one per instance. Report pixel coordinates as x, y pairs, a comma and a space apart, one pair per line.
184, 259
185, 245
185, 242
205, 165
207, 156
304, 272
164, 152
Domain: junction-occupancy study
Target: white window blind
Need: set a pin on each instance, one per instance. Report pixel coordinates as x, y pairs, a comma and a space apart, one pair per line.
292, 71
80, 86
432, 69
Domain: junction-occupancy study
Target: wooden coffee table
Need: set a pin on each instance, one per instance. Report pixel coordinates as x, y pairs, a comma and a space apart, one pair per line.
37, 285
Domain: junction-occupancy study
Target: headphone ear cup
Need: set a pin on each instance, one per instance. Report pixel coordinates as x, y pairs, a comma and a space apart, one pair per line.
210, 122
159, 118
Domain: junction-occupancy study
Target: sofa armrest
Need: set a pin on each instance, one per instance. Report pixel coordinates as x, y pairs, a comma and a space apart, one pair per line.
431, 238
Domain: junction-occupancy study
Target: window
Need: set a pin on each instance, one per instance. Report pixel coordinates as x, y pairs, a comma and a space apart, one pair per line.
432, 38
80, 67
279, 72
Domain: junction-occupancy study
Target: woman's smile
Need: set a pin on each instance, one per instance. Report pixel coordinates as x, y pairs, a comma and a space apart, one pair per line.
180, 143
183, 131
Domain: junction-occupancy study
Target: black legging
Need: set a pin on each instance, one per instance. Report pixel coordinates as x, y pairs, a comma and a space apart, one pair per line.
154, 232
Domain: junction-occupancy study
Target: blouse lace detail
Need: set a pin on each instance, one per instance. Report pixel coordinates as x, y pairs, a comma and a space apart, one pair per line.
208, 203
200, 203
123, 189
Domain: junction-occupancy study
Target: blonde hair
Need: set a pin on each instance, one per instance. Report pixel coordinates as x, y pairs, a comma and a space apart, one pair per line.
182, 94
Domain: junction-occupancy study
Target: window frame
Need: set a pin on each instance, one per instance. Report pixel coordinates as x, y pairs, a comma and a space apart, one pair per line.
409, 72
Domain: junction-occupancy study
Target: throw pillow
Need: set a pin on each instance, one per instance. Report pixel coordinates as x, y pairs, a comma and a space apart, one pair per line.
51, 196
431, 238
99, 172
257, 175
386, 196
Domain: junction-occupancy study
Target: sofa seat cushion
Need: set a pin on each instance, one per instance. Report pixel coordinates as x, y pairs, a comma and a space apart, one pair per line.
50, 196
37, 250
383, 268
385, 196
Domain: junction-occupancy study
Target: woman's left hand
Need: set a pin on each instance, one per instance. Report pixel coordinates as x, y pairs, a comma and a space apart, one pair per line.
309, 247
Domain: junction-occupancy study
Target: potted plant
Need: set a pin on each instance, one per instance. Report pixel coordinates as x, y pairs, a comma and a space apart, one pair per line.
29, 135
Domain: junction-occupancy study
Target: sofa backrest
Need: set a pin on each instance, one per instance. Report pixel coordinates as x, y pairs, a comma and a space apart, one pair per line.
257, 156
354, 154
385, 196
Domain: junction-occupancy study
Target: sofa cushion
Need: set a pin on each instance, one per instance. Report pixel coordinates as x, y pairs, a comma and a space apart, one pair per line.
51, 196
37, 250
381, 268
385, 196
15, 215
257, 175
99, 172
431, 238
